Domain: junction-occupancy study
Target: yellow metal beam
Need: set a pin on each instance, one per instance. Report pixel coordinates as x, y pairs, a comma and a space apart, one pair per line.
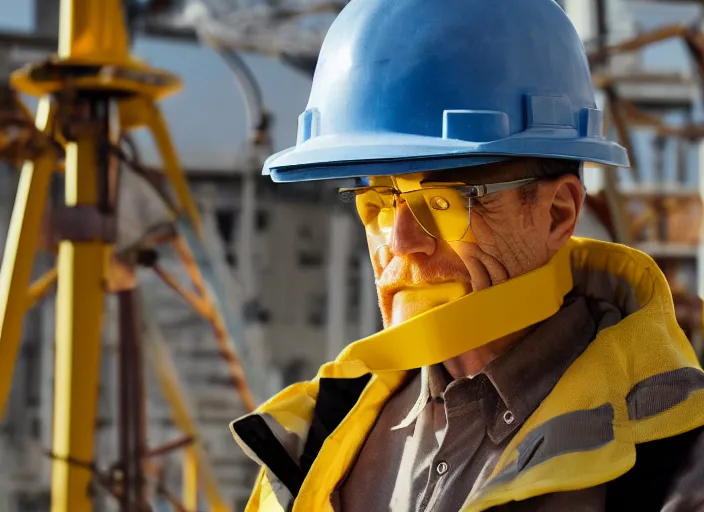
20, 248
190, 480
79, 311
41, 286
92, 30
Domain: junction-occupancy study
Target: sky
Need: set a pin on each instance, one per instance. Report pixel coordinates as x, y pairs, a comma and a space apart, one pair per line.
207, 118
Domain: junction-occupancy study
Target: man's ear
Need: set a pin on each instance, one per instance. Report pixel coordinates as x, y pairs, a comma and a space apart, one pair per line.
567, 198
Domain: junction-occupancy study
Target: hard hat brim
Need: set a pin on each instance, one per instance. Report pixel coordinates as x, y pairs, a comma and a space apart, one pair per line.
337, 157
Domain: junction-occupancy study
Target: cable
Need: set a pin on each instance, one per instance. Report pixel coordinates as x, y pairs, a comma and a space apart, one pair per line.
138, 169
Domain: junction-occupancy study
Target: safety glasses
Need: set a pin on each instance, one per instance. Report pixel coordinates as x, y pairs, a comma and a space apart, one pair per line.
441, 209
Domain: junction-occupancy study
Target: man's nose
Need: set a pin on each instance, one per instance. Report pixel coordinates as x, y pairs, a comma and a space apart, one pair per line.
407, 236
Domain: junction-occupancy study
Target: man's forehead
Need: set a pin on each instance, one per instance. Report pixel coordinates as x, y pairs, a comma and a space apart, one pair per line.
480, 175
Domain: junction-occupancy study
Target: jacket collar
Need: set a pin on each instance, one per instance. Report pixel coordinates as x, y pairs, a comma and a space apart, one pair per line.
518, 381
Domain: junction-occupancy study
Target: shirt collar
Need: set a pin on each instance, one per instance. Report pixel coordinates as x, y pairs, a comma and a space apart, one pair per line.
523, 376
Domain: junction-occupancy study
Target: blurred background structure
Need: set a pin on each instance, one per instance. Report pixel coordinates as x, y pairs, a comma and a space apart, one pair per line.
288, 266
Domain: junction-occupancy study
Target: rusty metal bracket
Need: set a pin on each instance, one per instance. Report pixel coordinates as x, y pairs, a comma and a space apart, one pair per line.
85, 224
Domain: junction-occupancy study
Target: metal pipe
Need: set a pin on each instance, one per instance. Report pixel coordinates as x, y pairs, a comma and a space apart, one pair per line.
244, 78
249, 88
169, 447
132, 415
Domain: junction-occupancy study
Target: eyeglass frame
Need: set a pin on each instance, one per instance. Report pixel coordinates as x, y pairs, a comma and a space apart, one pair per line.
477, 191
348, 195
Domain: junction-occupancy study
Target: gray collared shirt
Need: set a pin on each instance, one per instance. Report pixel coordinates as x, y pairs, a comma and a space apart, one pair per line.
437, 439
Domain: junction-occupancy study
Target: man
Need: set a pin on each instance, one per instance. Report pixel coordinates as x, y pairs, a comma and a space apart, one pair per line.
520, 368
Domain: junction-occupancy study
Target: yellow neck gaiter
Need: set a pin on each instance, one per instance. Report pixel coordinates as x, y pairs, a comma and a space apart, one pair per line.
466, 323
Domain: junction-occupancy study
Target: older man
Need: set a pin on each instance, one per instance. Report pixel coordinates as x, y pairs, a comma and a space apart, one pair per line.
519, 368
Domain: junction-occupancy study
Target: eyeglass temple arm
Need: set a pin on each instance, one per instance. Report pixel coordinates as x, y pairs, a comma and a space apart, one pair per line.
492, 188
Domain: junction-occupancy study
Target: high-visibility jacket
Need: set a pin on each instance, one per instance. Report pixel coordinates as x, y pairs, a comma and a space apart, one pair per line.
638, 381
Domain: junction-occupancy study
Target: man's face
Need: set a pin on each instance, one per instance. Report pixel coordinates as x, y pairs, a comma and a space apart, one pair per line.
509, 236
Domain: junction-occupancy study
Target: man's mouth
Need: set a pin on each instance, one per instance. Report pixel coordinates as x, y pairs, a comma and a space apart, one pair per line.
411, 301
435, 290
428, 288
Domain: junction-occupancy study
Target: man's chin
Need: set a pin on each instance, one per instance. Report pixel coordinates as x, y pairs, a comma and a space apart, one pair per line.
411, 302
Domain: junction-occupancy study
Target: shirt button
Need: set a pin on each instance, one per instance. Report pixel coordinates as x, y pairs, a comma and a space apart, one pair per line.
441, 468
509, 417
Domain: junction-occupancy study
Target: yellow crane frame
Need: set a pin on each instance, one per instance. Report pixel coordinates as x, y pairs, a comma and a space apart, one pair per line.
90, 91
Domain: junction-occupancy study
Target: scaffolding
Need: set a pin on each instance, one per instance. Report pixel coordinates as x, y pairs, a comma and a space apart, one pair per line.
658, 212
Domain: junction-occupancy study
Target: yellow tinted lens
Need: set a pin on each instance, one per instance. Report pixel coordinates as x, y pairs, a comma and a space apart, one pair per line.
442, 212
376, 210
369, 205
385, 220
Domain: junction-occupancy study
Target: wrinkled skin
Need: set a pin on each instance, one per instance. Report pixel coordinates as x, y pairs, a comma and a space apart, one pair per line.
512, 235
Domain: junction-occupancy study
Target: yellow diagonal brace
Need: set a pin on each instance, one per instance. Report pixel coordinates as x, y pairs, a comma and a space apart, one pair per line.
20, 248
172, 169
41, 287
79, 311
160, 359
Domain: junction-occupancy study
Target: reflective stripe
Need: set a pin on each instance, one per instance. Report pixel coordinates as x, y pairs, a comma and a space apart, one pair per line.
661, 392
254, 430
591, 429
572, 432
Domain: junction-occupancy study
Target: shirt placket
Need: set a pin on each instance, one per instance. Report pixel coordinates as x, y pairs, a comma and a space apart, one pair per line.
464, 428
437, 434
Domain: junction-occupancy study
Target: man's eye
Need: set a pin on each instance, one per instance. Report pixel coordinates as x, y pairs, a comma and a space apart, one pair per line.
368, 212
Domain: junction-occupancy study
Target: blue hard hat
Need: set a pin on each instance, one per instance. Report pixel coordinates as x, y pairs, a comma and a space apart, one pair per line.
406, 86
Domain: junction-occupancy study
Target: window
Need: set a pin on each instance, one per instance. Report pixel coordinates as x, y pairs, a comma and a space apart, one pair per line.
293, 372
310, 259
354, 282
225, 219
33, 502
262, 220
36, 428
317, 310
